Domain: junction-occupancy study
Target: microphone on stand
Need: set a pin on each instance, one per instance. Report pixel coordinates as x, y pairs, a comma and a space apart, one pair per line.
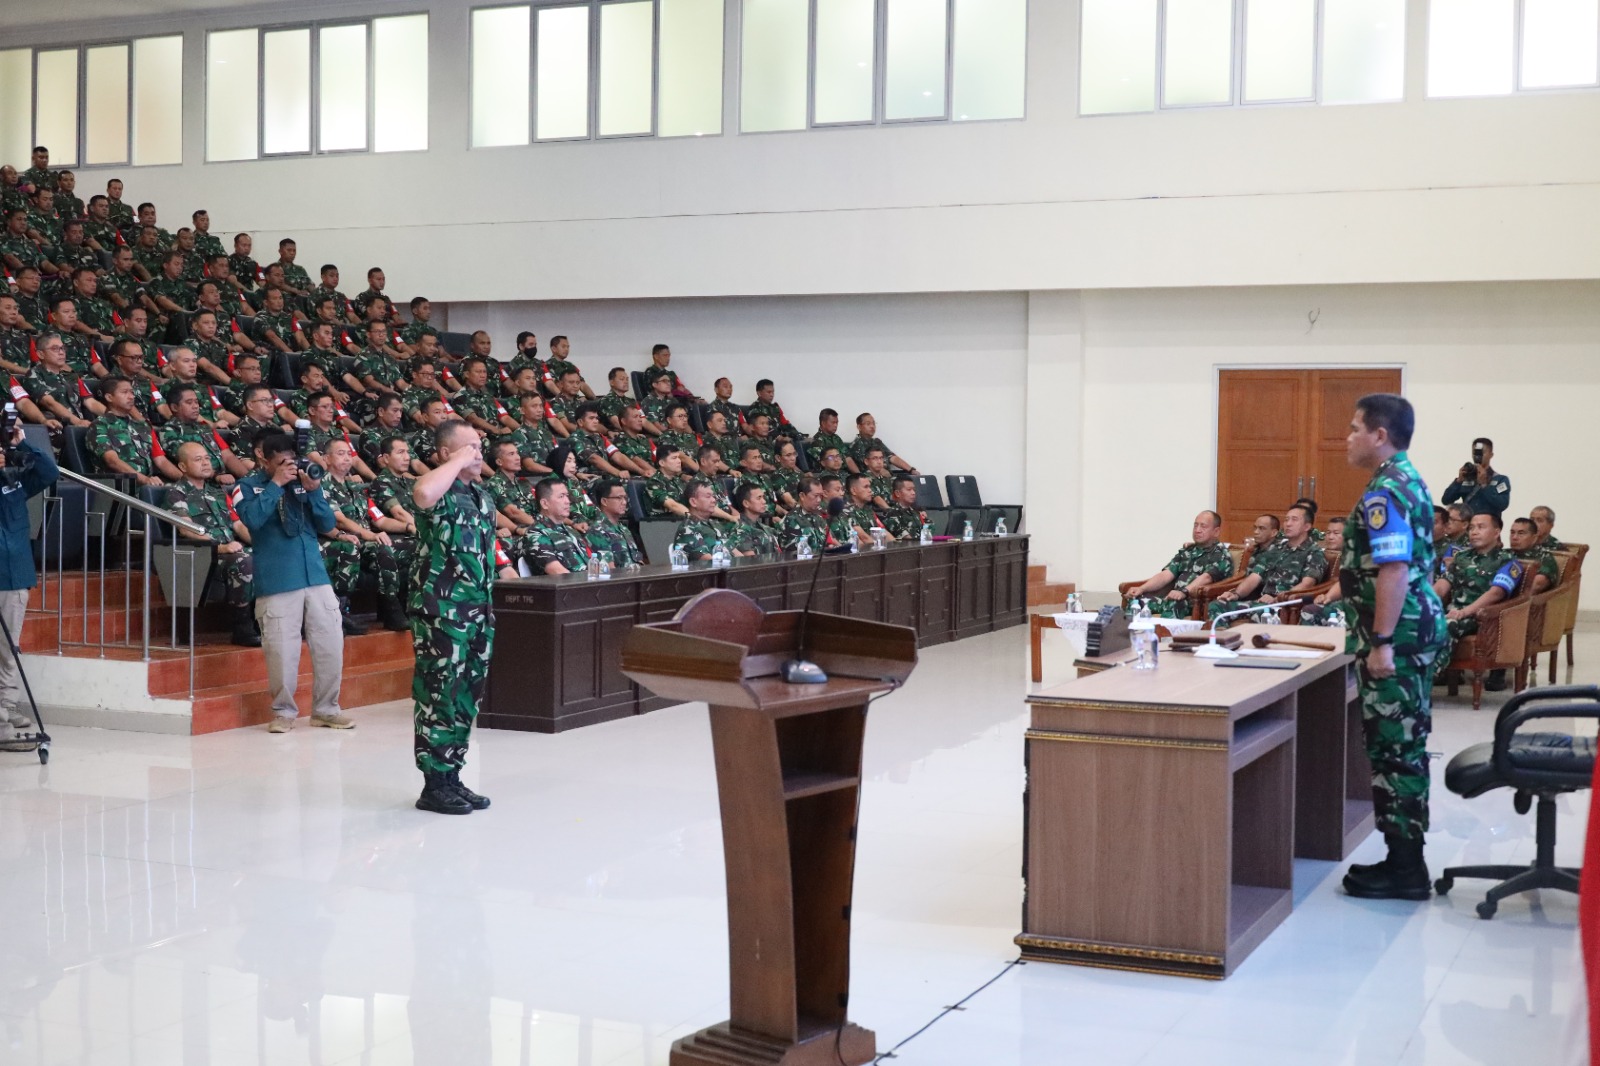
799, 671
1213, 650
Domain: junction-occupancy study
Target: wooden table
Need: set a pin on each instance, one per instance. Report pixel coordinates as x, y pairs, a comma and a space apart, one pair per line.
1164, 808
558, 640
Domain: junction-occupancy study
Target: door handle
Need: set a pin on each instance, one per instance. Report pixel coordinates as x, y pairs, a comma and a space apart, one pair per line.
1299, 486
1313, 486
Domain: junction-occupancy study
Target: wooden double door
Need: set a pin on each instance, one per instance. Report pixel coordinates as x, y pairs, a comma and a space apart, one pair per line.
1281, 435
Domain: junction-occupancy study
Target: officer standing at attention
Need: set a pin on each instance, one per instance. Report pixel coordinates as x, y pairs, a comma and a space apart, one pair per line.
452, 617
1396, 632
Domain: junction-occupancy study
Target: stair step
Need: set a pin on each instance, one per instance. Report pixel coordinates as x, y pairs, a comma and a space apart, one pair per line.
1037, 573
214, 712
223, 665
1054, 592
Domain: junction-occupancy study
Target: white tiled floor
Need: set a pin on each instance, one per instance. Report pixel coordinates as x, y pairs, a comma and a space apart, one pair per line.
246, 898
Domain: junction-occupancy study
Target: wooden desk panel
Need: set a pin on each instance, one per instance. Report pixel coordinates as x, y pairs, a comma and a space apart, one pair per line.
1164, 808
558, 639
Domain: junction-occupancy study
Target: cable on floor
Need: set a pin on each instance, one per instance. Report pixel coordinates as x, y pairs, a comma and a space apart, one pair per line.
958, 1005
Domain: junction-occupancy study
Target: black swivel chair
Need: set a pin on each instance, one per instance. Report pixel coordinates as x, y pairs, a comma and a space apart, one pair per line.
641, 387
456, 344
1540, 766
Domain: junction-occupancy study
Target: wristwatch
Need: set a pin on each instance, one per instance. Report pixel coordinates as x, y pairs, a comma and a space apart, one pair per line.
1381, 640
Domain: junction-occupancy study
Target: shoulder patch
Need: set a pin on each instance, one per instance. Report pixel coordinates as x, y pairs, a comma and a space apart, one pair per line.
1377, 508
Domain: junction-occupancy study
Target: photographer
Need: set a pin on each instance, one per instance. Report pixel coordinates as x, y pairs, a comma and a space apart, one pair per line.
25, 471
284, 509
1478, 486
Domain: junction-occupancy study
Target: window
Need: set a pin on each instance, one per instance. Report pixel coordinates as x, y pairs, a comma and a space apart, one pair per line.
940, 60
334, 87
104, 104
1144, 55
627, 68
689, 71
1494, 47
562, 60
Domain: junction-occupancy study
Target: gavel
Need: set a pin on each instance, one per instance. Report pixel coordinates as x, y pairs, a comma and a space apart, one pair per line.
1261, 640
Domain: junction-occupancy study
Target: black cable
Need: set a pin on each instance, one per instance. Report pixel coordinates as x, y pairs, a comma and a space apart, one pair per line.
958, 1005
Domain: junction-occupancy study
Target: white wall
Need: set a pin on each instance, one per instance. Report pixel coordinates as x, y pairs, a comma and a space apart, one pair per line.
1419, 191
944, 375
1519, 363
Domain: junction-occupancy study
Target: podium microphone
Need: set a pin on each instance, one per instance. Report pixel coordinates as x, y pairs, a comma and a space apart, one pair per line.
1213, 650
799, 671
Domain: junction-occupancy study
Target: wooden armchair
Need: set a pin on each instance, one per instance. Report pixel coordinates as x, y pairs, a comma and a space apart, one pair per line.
1200, 599
1554, 612
1575, 575
1501, 642
1291, 614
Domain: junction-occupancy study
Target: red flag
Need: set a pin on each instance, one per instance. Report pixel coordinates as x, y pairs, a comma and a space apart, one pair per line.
233, 324
609, 448
447, 408
156, 451
549, 412
230, 362
444, 372
116, 319
120, 239
83, 390
503, 375
231, 512
277, 404
220, 444
155, 395
17, 391
33, 349
372, 509
500, 556
94, 357
500, 408
161, 359
216, 404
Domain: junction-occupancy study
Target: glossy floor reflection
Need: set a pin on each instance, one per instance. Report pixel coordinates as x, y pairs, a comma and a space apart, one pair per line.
245, 898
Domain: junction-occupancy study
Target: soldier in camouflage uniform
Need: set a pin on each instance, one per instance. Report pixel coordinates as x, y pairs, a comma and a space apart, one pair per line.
632, 442
81, 357
422, 386
751, 534
31, 304
595, 451
1280, 570
98, 229
698, 535
328, 289
1204, 562
859, 518
355, 546
1526, 548
93, 312
278, 328
39, 175
881, 480
806, 521
477, 403
556, 545
294, 275
766, 404
657, 405
205, 242
532, 435
1544, 519
856, 454
14, 342
186, 427
200, 500
678, 434
717, 434
660, 358
1479, 577
452, 615
760, 434
68, 205
419, 326
17, 249
782, 478
663, 490
903, 521
120, 444
618, 398
714, 472
1396, 631
512, 496
558, 365
391, 489
1457, 515
43, 225
610, 533
245, 269
56, 388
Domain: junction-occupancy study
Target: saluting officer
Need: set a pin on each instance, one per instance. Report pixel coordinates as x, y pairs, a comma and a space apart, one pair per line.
1396, 632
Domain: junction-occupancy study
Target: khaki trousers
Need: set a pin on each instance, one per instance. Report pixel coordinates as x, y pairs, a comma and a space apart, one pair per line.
14, 609
284, 617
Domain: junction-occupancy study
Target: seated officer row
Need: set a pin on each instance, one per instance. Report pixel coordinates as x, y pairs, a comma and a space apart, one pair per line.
1288, 559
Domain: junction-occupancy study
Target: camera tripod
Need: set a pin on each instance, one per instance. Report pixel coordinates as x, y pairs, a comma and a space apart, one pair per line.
40, 740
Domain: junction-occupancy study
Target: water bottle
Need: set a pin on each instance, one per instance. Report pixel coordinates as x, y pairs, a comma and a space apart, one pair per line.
927, 534
592, 571
802, 549
1144, 614
855, 543
605, 565
966, 531
1074, 603
678, 558
1000, 527
720, 556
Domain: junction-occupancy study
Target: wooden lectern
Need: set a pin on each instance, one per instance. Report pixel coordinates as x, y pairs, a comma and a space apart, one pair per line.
788, 781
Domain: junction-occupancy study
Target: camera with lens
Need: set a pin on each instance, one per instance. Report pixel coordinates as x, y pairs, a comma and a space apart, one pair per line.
302, 450
7, 431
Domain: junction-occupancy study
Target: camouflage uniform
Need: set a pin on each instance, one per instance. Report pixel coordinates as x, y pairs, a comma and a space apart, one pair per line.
655, 407
905, 523
608, 536
654, 373
80, 353
882, 485
1281, 568
23, 249
1446, 551
68, 206
415, 330
587, 446
134, 442
64, 388
389, 488
731, 413
413, 398
207, 506
38, 177
295, 276
800, 525
821, 443
613, 404
102, 233
779, 421
781, 482
862, 445
750, 536
698, 538
658, 489
382, 367
1185, 567
172, 289
341, 303
563, 407
1393, 522
1471, 574
283, 325
583, 509
247, 270
48, 227
635, 446
325, 359
452, 622
248, 431
1544, 561
551, 542
345, 560
478, 402
423, 444
685, 441
120, 283
507, 491
207, 244
1550, 543
843, 527
34, 310
96, 313
15, 346
533, 442
726, 443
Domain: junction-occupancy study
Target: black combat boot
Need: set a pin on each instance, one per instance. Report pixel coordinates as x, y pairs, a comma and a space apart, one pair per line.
1496, 681
1403, 875
391, 615
245, 633
352, 628
478, 802
440, 797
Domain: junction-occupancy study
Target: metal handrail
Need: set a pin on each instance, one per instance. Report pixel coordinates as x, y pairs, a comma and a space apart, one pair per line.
159, 513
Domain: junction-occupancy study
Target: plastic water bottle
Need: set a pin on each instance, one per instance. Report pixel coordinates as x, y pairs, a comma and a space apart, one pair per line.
720, 556
802, 550
855, 543
966, 531
678, 558
1144, 614
592, 571
1000, 527
927, 534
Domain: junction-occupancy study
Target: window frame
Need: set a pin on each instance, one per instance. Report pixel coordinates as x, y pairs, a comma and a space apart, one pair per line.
314, 97
1239, 47
81, 116
1519, 15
